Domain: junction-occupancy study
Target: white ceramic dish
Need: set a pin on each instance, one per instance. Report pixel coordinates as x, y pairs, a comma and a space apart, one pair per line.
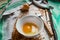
32, 19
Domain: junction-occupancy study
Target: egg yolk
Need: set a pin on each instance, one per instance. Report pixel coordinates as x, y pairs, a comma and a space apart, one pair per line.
29, 28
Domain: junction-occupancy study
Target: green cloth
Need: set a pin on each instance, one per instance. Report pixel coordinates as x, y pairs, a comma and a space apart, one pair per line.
4, 4
55, 15
14, 5
1, 29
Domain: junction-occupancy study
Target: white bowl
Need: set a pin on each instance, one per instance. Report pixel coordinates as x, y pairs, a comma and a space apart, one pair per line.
33, 19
